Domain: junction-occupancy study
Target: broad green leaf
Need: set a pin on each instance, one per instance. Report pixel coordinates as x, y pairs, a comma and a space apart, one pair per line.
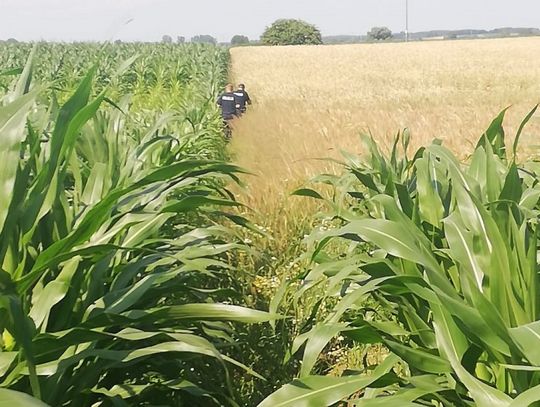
527, 398
392, 237
317, 339
12, 128
138, 233
399, 240
481, 320
527, 338
215, 312
93, 190
6, 359
427, 184
53, 293
452, 344
192, 203
520, 130
322, 391
308, 193
494, 136
513, 189
10, 398
419, 359
471, 260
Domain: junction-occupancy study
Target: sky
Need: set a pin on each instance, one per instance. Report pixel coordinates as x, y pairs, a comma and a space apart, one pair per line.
149, 20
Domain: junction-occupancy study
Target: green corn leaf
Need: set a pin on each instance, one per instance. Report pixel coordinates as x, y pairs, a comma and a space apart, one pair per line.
192, 203
322, 391
526, 338
494, 136
527, 398
393, 237
420, 359
452, 344
308, 193
215, 312
10, 398
472, 260
482, 322
12, 124
428, 187
11, 72
53, 293
6, 359
520, 131
317, 339
25, 79
512, 189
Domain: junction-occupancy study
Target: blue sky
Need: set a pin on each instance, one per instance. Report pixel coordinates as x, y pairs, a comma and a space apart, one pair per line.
150, 19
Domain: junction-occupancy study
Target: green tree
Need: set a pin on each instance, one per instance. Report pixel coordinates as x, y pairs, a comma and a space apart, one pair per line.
167, 39
204, 39
380, 33
239, 40
291, 32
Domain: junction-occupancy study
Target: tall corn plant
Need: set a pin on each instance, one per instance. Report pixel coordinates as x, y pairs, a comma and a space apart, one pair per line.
113, 275
183, 79
448, 253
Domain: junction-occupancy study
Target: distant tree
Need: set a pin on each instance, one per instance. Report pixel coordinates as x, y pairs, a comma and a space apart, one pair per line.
291, 32
204, 39
118, 41
167, 39
380, 33
180, 39
239, 40
12, 41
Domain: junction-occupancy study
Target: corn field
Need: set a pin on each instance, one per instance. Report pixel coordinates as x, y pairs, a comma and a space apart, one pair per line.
113, 256
130, 274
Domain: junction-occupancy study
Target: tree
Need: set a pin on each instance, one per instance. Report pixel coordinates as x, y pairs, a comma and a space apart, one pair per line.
180, 39
291, 32
167, 39
239, 40
380, 33
204, 39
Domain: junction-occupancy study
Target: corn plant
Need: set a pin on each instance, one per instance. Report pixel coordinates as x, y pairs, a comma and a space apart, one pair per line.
441, 268
153, 78
114, 274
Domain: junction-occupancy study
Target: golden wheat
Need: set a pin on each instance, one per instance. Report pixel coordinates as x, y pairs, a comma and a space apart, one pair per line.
313, 101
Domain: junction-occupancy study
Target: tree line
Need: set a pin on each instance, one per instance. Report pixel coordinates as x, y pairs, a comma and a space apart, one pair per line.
282, 32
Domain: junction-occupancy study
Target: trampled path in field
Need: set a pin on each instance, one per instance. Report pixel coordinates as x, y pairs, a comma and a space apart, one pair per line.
312, 101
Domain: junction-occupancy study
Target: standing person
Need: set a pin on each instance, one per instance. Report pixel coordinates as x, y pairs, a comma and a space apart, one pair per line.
227, 101
243, 99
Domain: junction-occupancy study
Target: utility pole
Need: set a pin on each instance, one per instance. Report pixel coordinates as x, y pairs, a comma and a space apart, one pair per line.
406, 20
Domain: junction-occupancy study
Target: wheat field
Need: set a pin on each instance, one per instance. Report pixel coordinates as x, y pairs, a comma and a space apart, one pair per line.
313, 101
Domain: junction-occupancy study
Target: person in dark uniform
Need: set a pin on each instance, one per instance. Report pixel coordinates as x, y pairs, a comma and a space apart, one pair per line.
227, 101
243, 99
